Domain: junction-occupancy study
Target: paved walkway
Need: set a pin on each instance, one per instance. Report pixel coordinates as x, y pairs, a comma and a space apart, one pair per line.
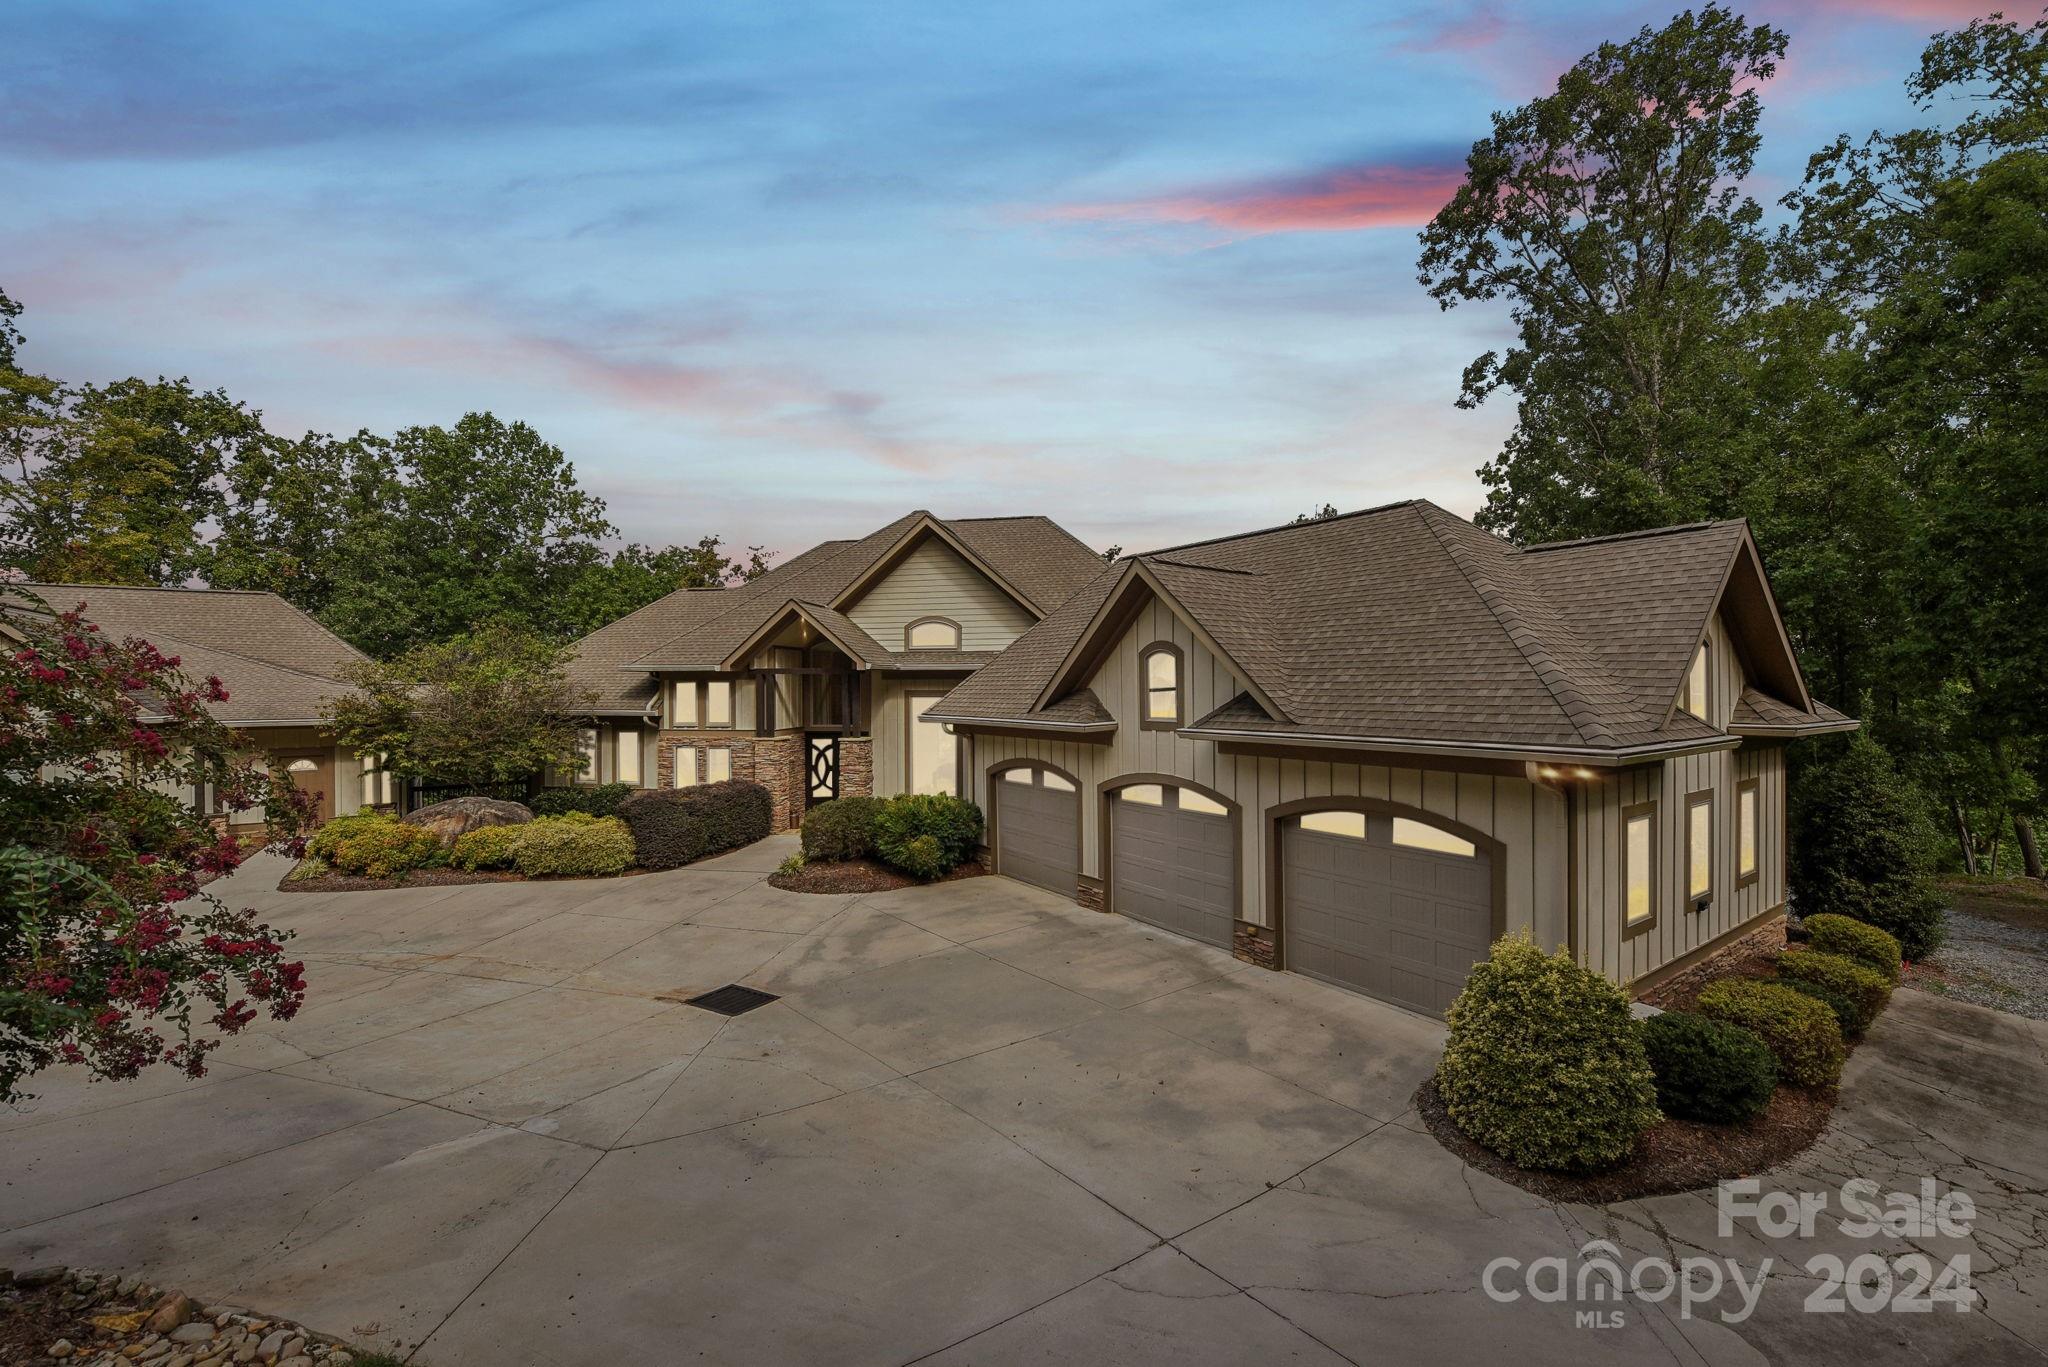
982, 1126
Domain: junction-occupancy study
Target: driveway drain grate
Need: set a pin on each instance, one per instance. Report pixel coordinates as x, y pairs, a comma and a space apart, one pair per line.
732, 999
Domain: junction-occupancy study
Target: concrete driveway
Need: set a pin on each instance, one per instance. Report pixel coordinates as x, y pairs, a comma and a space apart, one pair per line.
982, 1126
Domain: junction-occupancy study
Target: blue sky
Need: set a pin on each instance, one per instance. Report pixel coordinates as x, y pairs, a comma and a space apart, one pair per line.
781, 272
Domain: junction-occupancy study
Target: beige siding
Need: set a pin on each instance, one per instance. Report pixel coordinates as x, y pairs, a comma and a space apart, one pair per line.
1527, 819
934, 581
890, 721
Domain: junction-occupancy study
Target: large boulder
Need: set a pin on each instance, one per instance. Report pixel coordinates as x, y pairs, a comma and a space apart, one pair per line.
460, 815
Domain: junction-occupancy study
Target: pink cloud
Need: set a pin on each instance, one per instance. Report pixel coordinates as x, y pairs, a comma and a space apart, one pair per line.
1956, 12
1343, 200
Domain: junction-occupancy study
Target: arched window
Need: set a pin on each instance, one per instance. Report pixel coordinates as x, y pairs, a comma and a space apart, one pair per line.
932, 633
1160, 670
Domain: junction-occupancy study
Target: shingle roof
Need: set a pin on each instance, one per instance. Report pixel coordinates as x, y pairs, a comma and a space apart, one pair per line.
696, 629
1408, 623
278, 663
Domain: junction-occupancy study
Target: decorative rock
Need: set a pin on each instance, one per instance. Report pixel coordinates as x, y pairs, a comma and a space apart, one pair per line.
460, 815
126, 1322
199, 1331
293, 1347
297, 1360
40, 1276
268, 1349
172, 1310
61, 1348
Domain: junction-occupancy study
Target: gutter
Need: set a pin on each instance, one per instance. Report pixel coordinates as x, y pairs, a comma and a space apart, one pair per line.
1622, 755
1818, 728
1014, 723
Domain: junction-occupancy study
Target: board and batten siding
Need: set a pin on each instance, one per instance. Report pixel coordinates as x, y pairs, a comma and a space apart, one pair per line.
1528, 819
1597, 894
935, 581
891, 724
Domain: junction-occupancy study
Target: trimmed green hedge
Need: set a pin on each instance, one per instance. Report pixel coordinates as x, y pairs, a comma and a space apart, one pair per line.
325, 841
1854, 992
487, 847
575, 845
927, 835
676, 826
1853, 939
843, 828
602, 800
1544, 1065
388, 849
1707, 1069
1802, 1032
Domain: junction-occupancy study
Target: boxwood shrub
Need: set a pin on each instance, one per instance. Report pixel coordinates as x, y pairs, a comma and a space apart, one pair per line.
1854, 939
1544, 1065
676, 826
325, 841
574, 845
843, 828
1707, 1069
388, 849
927, 834
1854, 992
602, 800
1803, 1033
487, 847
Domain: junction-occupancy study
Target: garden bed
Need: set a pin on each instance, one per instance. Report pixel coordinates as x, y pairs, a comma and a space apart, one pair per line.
1672, 1155
859, 875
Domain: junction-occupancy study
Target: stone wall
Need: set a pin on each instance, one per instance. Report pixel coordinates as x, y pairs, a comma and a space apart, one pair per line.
856, 766
774, 762
1255, 945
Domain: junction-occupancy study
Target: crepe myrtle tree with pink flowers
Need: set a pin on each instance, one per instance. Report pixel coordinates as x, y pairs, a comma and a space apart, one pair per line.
112, 955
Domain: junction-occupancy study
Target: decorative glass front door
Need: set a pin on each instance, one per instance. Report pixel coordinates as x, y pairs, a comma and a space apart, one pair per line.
822, 769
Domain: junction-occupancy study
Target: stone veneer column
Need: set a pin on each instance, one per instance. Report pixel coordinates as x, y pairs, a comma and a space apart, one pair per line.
856, 766
1255, 945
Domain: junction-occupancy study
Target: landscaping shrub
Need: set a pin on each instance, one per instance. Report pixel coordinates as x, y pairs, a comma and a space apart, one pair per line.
676, 826
1858, 940
487, 847
1708, 1069
574, 845
927, 834
1803, 1033
325, 841
389, 849
1861, 844
1854, 992
843, 828
1544, 1065
603, 800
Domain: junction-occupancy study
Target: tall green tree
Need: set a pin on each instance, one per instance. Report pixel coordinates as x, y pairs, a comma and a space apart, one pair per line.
1610, 217
293, 510
636, 575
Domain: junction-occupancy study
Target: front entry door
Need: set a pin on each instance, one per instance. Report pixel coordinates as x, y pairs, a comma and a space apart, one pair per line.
313, 772
821, 769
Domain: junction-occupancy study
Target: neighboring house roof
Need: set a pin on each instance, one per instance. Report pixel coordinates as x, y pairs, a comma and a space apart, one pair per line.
279, 665
1031, 558
1406, 627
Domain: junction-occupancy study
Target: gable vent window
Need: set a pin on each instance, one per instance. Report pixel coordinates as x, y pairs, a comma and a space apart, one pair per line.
1161, 667
932, 633
1696, 685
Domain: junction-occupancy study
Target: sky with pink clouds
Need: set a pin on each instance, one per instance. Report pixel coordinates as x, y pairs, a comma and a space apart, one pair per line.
783, 271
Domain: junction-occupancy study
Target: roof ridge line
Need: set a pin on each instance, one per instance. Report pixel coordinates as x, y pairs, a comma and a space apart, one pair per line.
1636, 535
1190, 565
1555, 678
1279, 527
189, 644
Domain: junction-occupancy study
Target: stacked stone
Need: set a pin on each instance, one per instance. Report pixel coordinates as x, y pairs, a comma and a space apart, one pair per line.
126, 1322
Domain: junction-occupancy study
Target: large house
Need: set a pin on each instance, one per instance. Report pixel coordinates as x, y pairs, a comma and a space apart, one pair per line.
813, 678
1363, 748
280, 667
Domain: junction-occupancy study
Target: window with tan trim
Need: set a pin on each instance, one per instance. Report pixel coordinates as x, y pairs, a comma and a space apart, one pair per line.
1638, 868
1192, 801
718, 704
1699, 848
626, 767
586, 754
932, 633
1745, 832
1159, 668
1696, 684
1055, 782
1420, 835
1144, 794
683, 767
717, 764
683, 710
1350, 824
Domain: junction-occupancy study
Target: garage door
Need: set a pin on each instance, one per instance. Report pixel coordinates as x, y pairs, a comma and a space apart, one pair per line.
1173, 861
1038, 829
1388, 906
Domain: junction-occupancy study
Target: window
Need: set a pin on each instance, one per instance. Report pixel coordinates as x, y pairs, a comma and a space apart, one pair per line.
626, 767
683, 767
1019, 776
684, 713
1351, 824
1699, 847
717, 764
1055, 782
932, 633
718, 703
1145, 794
1161, 667
1420, 835
1192, 801
1696, 684
376, 781
1745, 833
930, 756
586, 754
1639, 867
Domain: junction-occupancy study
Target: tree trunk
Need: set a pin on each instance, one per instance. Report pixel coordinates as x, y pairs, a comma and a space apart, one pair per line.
1963, 837
2030, 853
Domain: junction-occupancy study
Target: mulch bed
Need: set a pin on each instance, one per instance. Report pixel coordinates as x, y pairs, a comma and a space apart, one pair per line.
1671, 1156
860, 875
433, 878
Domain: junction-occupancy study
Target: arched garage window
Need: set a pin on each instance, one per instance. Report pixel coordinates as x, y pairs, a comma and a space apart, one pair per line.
1401, 830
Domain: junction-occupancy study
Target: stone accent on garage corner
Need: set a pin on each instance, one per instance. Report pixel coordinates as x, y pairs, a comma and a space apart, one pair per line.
1089, 894
1255, 944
